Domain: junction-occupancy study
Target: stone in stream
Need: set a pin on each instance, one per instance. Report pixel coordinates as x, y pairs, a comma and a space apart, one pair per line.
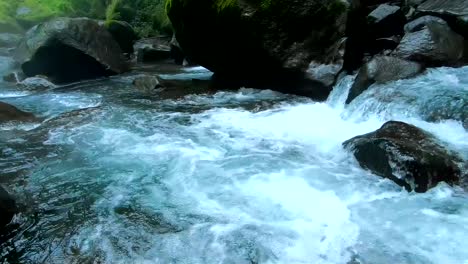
147, 83
436, 44
382, 69
407, 155
36, 83
152, 50
7, 208
11, 113
14, 77
69, 50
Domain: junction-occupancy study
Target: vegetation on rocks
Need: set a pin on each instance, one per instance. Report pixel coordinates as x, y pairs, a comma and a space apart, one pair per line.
148, 17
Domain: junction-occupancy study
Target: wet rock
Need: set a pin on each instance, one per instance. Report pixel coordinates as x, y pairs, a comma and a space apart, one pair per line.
434, 45
7, 208
8, 40
178, 54
123, 33
386, 21
153, 49
407, 155
37, 83
382, 69
419, 23
252, 41
324, 73
11, 113
147, 83
70, 49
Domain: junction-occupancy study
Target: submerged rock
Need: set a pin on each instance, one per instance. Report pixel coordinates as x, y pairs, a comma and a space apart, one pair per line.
70, 49
407, 155
434, 45
11, 113
258, 40
7, 208
14, 77
382, 69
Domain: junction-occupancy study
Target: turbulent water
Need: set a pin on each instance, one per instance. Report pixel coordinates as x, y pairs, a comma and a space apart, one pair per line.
242, 176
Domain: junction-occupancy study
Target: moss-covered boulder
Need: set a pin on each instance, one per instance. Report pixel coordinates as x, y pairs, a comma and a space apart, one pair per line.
70, 49
258, 39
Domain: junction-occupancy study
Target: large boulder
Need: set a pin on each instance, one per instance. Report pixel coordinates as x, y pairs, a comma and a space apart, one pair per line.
255, 40
11, 113
382, 69
7, 208
407, 155
70, 49
152, 50
434, 45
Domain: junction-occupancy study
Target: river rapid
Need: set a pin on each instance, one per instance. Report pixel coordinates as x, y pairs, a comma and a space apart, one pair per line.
113, 175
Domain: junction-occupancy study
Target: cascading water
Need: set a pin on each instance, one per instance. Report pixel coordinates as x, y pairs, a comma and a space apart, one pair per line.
242, 176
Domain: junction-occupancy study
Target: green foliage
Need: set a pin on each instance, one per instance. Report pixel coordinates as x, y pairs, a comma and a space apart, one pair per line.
223, 4
148, 17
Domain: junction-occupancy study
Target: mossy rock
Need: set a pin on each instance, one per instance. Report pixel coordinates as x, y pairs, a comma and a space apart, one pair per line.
258, 39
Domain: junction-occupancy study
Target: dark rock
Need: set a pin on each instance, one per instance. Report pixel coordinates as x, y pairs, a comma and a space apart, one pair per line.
177, 53
8, 40
435, 45
419, 23
382, 69
258, 40
454, 12
70, 49
386, 21
123, 33
11, 113
147, 83
407, 155
153, 49
7, 208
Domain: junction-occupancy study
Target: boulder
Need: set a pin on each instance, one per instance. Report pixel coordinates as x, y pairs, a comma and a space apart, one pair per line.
123, 33
434, 45
386, 21
419, 23
10, 113
455, 12
324, 73
7, 208
382, 69
36, 83
8, 40
69, 50
147, 83
258, 40
407, 155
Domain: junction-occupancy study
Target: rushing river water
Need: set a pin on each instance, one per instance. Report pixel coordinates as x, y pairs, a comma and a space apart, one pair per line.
244, 176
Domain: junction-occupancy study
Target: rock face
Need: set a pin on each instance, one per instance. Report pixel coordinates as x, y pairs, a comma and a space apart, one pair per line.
434, 45
407, 155
70, 49
382, 69
11, 113
258, 39
7, 208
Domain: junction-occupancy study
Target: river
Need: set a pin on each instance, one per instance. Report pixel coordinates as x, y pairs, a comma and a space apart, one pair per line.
245, 176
